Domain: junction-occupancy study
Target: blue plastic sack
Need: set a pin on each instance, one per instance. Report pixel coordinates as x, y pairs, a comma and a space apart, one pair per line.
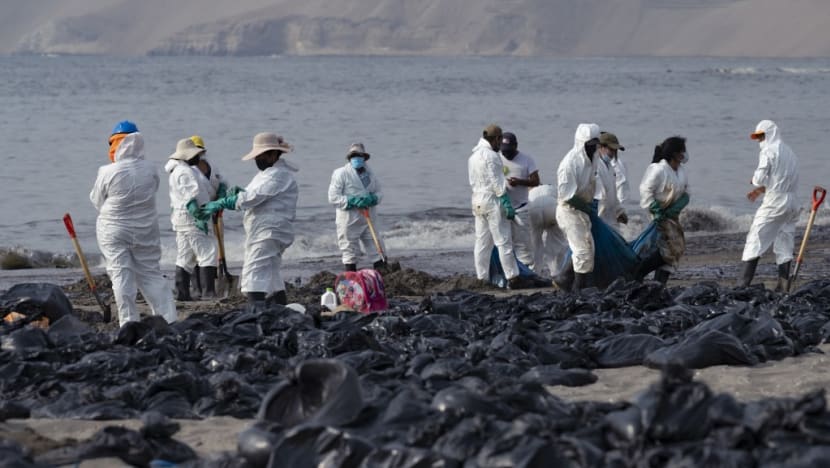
613, 256
497, 273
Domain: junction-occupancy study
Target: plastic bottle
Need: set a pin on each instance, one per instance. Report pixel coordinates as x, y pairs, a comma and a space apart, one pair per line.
329, 299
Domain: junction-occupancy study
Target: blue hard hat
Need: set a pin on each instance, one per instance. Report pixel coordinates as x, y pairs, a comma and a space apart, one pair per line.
125, 126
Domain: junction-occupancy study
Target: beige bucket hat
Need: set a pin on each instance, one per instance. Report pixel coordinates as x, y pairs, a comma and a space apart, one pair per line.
266, 142
186, 150
358, 149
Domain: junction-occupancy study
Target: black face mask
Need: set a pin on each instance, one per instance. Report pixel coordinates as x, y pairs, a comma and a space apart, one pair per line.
510, 153
262, 164
590, 149
194, 161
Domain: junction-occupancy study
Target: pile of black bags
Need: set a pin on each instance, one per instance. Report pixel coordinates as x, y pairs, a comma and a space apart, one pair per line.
459, 379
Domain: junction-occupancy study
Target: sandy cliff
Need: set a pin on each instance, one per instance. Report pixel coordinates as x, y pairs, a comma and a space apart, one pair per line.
760, 28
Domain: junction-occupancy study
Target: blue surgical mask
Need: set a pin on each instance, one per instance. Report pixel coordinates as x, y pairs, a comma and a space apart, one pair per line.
357, 162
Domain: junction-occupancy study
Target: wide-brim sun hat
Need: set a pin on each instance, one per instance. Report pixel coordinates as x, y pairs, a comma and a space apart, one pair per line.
186, 150
267, 142
357, 149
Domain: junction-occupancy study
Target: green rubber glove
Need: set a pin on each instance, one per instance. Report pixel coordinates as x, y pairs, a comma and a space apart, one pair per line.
507, 206
199, 216
656, 211
353, 201
235, 190
227, 203
580, 204
673, 211
371, 200
222, 190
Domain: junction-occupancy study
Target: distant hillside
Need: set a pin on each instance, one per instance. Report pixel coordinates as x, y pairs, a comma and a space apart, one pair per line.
757, 28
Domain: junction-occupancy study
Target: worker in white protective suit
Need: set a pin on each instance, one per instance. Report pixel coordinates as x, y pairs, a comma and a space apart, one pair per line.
576, 186
127, 227
217, 188
609, 208
775, 179
521, 175
270, 205
621, 175
664, 192
548, 242
195, 246
355, 192
492, 208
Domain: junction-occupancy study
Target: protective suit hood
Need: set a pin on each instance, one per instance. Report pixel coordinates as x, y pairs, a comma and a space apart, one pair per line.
171, 164
770, 131
131, 147
585, 132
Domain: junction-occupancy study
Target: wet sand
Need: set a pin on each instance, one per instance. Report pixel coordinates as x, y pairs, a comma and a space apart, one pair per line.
709, 258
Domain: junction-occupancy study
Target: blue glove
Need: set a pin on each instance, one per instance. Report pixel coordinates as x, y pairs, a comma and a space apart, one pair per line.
222, 190
656, 211
227, 203
353, 201
580, 205
507, 206
235, 190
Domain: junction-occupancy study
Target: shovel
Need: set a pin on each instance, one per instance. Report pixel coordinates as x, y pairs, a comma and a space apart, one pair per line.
70, 228
226, 283
818, 197
365, 213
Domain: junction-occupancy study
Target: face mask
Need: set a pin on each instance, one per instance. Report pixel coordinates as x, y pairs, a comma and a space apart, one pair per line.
193, 161
262, 164
509, 153
357, 162
685, 158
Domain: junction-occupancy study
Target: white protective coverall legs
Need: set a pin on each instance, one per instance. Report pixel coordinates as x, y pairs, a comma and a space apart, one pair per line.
774, 222
128, 234
520, 237
492, 228
353, 235
547, 241
577, 228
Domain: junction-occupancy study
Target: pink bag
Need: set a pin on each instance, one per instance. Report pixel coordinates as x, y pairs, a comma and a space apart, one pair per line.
361, 291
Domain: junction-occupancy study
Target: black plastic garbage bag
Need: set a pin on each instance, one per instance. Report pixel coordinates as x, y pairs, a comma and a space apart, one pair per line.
625, 350
321, 447
321, 392
700, 350
12, 455
554, 375
26, 342
36, 299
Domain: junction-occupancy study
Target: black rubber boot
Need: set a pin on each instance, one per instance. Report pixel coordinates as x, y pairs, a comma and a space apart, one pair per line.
256, 299
748, 273
518, 282
350, 267
379, 265
661, 276
208, 277
783, 277
197, 280
182, 285
564, 280
580, 281
278, 297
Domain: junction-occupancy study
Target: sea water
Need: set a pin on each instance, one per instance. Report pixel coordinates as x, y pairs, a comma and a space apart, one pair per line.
418, 117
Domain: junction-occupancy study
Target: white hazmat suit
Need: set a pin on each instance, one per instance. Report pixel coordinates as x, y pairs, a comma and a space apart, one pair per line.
270, 205
621, 175
352, 228
576, 177
128, 232
548, 241
609, 208
193, 246
665, 185
774, 222
486, 176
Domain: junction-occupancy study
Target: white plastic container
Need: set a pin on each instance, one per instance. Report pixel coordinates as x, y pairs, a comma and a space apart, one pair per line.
329, 299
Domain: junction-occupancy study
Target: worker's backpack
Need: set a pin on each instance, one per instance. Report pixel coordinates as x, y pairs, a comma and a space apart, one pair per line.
361, 291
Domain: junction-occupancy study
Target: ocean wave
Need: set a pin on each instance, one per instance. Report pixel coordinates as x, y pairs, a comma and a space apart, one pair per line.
804, 70
18, 258
732, 71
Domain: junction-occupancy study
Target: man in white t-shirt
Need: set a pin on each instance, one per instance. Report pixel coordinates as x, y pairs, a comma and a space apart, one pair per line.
520, 173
